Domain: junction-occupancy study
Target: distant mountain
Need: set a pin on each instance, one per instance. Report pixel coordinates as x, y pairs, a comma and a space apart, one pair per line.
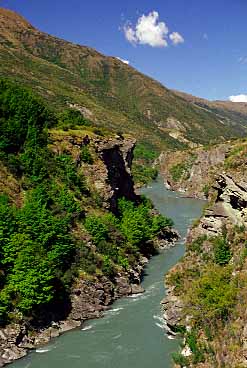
233, 112
107, 91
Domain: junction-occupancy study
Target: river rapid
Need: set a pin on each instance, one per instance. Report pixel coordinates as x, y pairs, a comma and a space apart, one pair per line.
131, 334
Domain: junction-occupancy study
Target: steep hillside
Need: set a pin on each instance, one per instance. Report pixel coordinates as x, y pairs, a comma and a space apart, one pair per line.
207, 289
104, 89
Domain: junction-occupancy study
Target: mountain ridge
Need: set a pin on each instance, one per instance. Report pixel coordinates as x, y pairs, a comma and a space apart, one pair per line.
229, 109
114, 94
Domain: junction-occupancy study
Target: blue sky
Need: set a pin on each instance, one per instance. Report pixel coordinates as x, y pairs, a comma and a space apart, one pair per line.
210, 63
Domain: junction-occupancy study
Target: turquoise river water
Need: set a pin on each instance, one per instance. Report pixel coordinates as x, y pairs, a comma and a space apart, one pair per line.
131, 334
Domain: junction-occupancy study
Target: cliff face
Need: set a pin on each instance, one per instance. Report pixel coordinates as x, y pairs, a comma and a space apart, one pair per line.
194, 171
229, 205
110, 172
206, 290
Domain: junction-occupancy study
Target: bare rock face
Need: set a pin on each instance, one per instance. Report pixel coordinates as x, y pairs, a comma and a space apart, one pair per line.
117, 156
229, 205
9, 339
197, 168
172, 312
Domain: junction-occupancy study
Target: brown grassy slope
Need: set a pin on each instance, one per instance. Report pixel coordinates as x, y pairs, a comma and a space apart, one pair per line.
117, 95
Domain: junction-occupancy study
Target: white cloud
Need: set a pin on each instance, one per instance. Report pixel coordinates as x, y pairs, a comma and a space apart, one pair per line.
130, 34
205, 36
148, 31
123, 60
176, 38
238, 98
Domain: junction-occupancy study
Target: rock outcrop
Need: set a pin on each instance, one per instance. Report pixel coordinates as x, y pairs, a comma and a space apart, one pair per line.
229, 206
191, 172
110, 172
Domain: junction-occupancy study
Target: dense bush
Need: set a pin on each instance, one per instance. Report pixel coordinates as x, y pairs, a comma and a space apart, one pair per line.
67, 171
96, 228
196, 245
145, 152
23, 118
123, 238
137, 223
212, 296
180, 360
36, 246
70, 118
177, 171
36, 249
196, 349
144, 173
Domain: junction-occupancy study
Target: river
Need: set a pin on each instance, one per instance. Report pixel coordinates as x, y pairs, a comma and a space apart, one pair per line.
131, 334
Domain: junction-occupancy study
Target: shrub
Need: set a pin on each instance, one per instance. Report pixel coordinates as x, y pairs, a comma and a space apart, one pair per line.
66, 169
107, 267
177, 171
191, 341
96, 228
86, 155
143, 173
213, 295
180, 359
206, 190
196, 245
70, 118
176, 279
145, 152
222, 253
138, 224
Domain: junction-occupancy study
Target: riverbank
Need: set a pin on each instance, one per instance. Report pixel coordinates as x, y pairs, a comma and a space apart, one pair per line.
90, 298
207, 288
120, 339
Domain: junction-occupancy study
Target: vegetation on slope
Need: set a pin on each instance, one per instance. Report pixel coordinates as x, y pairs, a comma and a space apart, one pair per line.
44, 237
106, 90
144, 169
211, 282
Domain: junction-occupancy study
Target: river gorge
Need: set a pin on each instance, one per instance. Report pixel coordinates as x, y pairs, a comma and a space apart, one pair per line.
132, 332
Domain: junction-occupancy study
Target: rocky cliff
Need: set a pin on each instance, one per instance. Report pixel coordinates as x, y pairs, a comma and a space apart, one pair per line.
206, 290
194, 171
110, 172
